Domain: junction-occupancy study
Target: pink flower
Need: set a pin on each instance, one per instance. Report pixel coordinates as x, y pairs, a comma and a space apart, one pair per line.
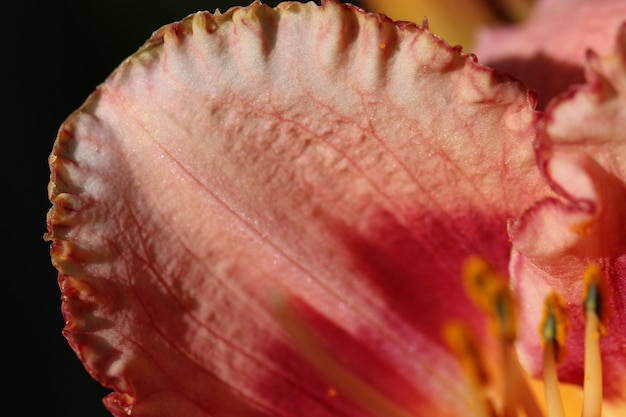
268, 212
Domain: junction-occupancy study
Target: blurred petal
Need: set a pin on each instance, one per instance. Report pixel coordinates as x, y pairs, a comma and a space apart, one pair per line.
347, 161
548, 51
582, 149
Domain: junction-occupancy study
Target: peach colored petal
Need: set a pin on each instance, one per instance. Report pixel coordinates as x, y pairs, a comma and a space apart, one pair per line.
351, 162
548, 51
582, 149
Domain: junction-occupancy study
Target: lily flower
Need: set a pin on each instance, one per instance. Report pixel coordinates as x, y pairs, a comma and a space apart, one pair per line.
314, 210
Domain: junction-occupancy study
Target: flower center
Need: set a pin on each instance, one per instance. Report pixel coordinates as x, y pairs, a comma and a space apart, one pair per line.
491, 293
513, 394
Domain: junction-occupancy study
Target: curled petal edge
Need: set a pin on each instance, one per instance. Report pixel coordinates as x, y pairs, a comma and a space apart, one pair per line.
581, 150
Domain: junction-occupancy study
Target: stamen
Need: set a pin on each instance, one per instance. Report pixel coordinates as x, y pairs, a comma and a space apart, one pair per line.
595, 296
490, 291
460, 339
553, 330
518, 383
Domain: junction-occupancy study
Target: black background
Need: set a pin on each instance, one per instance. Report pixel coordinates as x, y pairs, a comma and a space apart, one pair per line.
53, 56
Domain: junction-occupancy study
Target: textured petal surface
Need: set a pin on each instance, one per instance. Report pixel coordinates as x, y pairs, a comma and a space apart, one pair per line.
548, 51
582, 149
347, 161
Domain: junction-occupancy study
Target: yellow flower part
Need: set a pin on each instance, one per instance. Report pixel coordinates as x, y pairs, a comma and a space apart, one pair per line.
455, 21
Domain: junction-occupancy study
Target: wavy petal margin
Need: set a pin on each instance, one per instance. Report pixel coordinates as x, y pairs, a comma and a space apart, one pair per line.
345, 160
547, 51
582, 150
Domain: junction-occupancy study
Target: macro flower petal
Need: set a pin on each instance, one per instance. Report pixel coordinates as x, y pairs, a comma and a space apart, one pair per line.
547, 51
333, 156
582, 151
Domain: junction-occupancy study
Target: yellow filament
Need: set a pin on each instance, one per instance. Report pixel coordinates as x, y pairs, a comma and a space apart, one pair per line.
490, 292
592, 387
595, 309
554, 402
517, 388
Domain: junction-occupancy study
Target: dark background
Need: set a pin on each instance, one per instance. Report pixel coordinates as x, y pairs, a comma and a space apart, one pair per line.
53, 56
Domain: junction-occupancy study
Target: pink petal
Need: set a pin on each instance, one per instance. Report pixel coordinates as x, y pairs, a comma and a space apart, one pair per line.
347, 161
582, 148
548, 51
